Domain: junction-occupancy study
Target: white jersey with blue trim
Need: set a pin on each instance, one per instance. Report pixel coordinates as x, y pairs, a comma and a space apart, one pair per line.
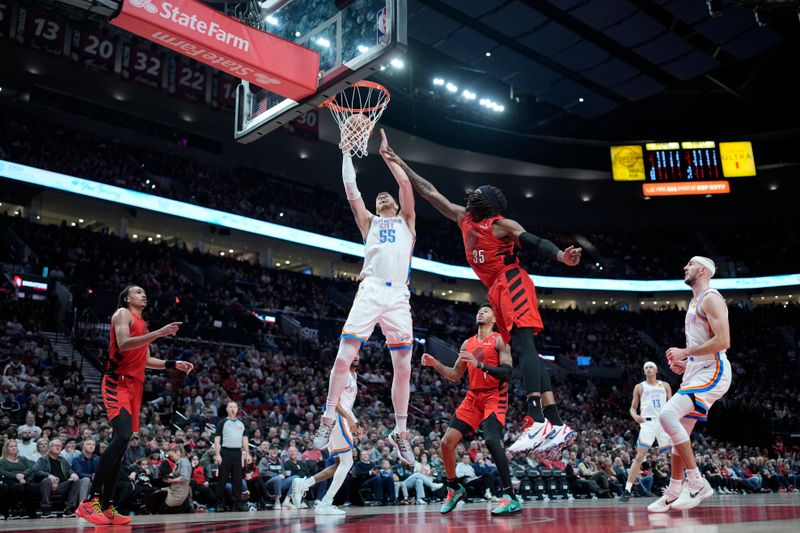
654, 397
697, 328
387, 250
348, 398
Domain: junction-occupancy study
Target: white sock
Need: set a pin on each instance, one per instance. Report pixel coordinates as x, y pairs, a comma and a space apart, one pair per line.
693, 476
675, 487
400, 423
628, 486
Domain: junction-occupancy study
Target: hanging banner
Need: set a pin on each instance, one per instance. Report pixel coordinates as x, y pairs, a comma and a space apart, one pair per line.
224, 43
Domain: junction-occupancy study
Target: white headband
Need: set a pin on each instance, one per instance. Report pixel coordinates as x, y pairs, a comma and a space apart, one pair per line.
650, 363
706, 263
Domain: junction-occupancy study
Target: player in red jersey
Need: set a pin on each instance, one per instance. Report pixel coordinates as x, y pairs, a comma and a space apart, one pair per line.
488, 360
123, 382
489, 242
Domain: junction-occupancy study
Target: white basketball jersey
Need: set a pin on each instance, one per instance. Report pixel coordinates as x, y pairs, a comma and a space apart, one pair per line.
697, 328
348, 398
654, 397
387, 250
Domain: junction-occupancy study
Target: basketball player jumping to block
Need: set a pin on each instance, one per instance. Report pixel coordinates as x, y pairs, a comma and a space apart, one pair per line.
706, 378
650, 396
382, 298
488, 360
340, 447
122, 386
489, 242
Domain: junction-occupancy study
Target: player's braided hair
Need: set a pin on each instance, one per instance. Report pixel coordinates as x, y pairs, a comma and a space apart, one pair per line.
486, 201
122, 299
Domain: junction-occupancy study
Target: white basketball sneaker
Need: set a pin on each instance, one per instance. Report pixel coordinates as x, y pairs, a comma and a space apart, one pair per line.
402, 440
691, 497
299, 488
532, 436
327, 509
323, 436
555, 441
663, 504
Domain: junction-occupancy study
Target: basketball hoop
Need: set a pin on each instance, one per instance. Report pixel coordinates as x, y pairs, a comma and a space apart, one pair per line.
356, 110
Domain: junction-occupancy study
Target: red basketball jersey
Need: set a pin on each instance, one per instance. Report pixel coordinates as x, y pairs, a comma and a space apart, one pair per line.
131, 363
485, 352
486, 254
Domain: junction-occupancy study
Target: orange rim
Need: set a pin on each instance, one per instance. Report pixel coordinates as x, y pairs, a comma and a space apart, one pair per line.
330, 104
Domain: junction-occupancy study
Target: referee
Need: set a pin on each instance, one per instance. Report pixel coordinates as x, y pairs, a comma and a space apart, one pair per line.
229, 443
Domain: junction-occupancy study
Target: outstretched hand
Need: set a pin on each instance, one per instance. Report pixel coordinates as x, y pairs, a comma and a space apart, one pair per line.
571, 256
386, 151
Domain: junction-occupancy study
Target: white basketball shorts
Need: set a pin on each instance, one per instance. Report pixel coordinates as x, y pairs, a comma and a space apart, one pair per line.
706, 379
651, 433
383, 303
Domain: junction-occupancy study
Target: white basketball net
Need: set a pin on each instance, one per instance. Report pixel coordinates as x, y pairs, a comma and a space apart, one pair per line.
357, 110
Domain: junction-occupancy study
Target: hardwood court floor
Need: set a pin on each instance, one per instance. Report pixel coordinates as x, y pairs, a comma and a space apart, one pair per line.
770, 513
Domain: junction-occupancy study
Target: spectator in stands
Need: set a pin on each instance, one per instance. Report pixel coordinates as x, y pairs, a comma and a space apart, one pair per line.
478, 486
70, 450
58, 478
27, 445
275, 475
30, 426
178, 498
17, 473
85, 465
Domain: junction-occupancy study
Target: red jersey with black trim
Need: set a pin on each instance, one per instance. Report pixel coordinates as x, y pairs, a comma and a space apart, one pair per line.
131, 363
486, 254
485, 352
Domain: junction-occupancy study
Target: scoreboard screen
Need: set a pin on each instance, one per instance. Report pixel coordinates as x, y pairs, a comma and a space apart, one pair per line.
682, 161
688, 167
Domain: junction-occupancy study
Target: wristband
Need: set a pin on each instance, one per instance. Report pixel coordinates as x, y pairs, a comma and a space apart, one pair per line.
169, 364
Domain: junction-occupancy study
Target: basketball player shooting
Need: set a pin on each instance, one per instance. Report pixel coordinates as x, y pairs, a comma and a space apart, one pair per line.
489, 242
706, 378
122, 386
382, 297
650, 396
488, 360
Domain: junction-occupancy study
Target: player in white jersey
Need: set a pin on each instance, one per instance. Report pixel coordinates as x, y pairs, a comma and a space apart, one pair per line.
340, 447
382, 298
649, 397
706, 378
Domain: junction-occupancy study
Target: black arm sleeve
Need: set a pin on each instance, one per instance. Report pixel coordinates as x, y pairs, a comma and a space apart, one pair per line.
543, 247
502, 372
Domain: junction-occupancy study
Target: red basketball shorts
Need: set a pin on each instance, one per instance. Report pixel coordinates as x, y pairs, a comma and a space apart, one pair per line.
122, 392
480, 405
513, 300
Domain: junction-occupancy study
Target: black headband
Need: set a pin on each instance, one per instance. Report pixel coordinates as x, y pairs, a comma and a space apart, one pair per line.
490, 196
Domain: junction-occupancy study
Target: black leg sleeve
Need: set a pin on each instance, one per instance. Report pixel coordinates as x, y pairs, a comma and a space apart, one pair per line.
524, 350
105, 479
493, 435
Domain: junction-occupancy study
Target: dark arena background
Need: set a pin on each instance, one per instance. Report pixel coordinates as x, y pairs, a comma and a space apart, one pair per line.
184, 147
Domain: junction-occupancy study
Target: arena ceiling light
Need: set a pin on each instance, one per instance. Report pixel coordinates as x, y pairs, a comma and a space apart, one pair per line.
451, 87
397, 63
166, 206
439, 82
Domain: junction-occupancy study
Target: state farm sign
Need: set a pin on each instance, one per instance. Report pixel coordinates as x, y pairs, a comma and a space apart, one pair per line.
197, 31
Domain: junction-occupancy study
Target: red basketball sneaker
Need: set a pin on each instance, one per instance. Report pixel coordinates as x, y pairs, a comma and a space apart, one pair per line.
90, 511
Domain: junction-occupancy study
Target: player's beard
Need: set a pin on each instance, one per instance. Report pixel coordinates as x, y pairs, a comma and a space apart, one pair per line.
690, 280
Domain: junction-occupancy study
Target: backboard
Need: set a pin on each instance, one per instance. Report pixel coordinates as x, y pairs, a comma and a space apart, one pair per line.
353, 42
